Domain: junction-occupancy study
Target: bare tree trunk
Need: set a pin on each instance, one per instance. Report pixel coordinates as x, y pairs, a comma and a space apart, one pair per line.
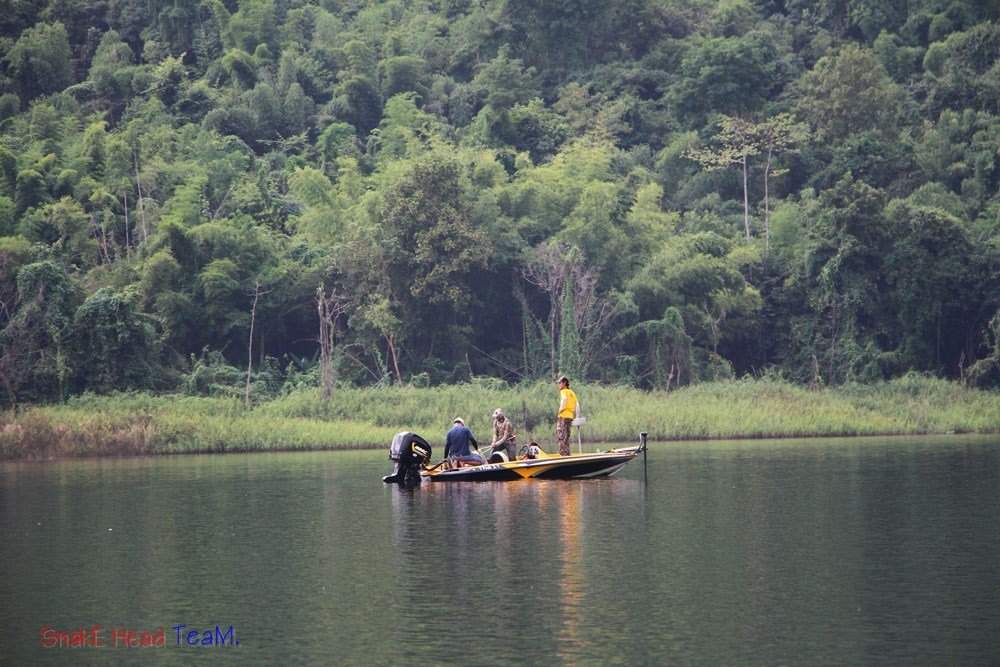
138, 186
128, 242
767, 206
715, 323
222, 203
325, 343
430, 346
253, 316
524, 336
814, 381
746, 199
101, 236
833, 341
553, 315
593, 312
395, 362
549, 271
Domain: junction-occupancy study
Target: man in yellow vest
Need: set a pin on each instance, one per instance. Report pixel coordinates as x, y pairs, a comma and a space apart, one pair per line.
568, 408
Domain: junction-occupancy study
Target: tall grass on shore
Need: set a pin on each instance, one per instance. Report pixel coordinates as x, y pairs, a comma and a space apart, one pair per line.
135, 423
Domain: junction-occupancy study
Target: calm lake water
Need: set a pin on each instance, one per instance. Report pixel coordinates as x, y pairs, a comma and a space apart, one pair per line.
845, 551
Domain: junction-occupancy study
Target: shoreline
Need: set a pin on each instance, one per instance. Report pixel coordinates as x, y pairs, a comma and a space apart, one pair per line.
552, 445
361, 419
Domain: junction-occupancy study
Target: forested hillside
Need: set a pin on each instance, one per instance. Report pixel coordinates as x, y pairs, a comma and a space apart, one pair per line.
654, 192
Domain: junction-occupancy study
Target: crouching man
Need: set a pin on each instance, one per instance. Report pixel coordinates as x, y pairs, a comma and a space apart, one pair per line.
504, 436
457, 446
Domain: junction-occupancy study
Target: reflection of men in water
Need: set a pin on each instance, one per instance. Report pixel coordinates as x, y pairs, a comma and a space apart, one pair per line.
456, 445
504, 435
567, 411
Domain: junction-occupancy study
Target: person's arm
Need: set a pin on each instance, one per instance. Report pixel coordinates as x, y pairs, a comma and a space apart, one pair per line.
562, 402
472, 439
447, 446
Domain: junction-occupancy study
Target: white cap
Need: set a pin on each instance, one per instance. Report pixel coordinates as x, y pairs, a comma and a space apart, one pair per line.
459, 420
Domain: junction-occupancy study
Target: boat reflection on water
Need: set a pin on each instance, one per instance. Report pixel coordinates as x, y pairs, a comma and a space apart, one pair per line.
568, 496
518, 560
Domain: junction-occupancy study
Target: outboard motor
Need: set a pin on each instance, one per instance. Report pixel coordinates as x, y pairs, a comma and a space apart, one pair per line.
410, 452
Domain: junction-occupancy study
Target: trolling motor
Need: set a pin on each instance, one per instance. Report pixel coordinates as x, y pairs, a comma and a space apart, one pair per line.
410, 452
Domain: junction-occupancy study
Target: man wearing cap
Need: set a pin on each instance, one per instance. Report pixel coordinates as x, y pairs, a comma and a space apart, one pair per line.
504, 435
568, 406
456, 445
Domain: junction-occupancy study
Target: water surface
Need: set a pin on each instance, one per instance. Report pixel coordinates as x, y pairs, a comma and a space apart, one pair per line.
840, 551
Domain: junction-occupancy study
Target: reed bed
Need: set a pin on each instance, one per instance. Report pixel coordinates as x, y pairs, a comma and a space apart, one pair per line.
136, 423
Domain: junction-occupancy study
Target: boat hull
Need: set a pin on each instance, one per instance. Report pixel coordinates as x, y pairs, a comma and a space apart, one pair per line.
577, 466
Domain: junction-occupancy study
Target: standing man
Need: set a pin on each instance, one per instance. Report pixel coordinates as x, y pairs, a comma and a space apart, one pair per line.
568, 407
456, 445
504, 435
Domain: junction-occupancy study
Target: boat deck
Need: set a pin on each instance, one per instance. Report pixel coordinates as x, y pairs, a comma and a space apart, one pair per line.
547, 466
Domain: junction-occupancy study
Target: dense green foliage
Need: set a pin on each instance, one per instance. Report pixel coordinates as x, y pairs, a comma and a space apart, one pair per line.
654, 192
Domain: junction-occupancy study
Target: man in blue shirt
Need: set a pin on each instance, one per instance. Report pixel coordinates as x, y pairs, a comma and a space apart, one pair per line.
456, 446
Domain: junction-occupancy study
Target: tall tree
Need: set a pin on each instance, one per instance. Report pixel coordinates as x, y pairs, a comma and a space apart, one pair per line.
737, 141
774, 135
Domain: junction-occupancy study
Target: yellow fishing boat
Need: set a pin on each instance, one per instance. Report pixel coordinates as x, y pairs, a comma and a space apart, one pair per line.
412, 456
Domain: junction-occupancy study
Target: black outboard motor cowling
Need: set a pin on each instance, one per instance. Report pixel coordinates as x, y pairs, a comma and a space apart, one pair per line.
410, 452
